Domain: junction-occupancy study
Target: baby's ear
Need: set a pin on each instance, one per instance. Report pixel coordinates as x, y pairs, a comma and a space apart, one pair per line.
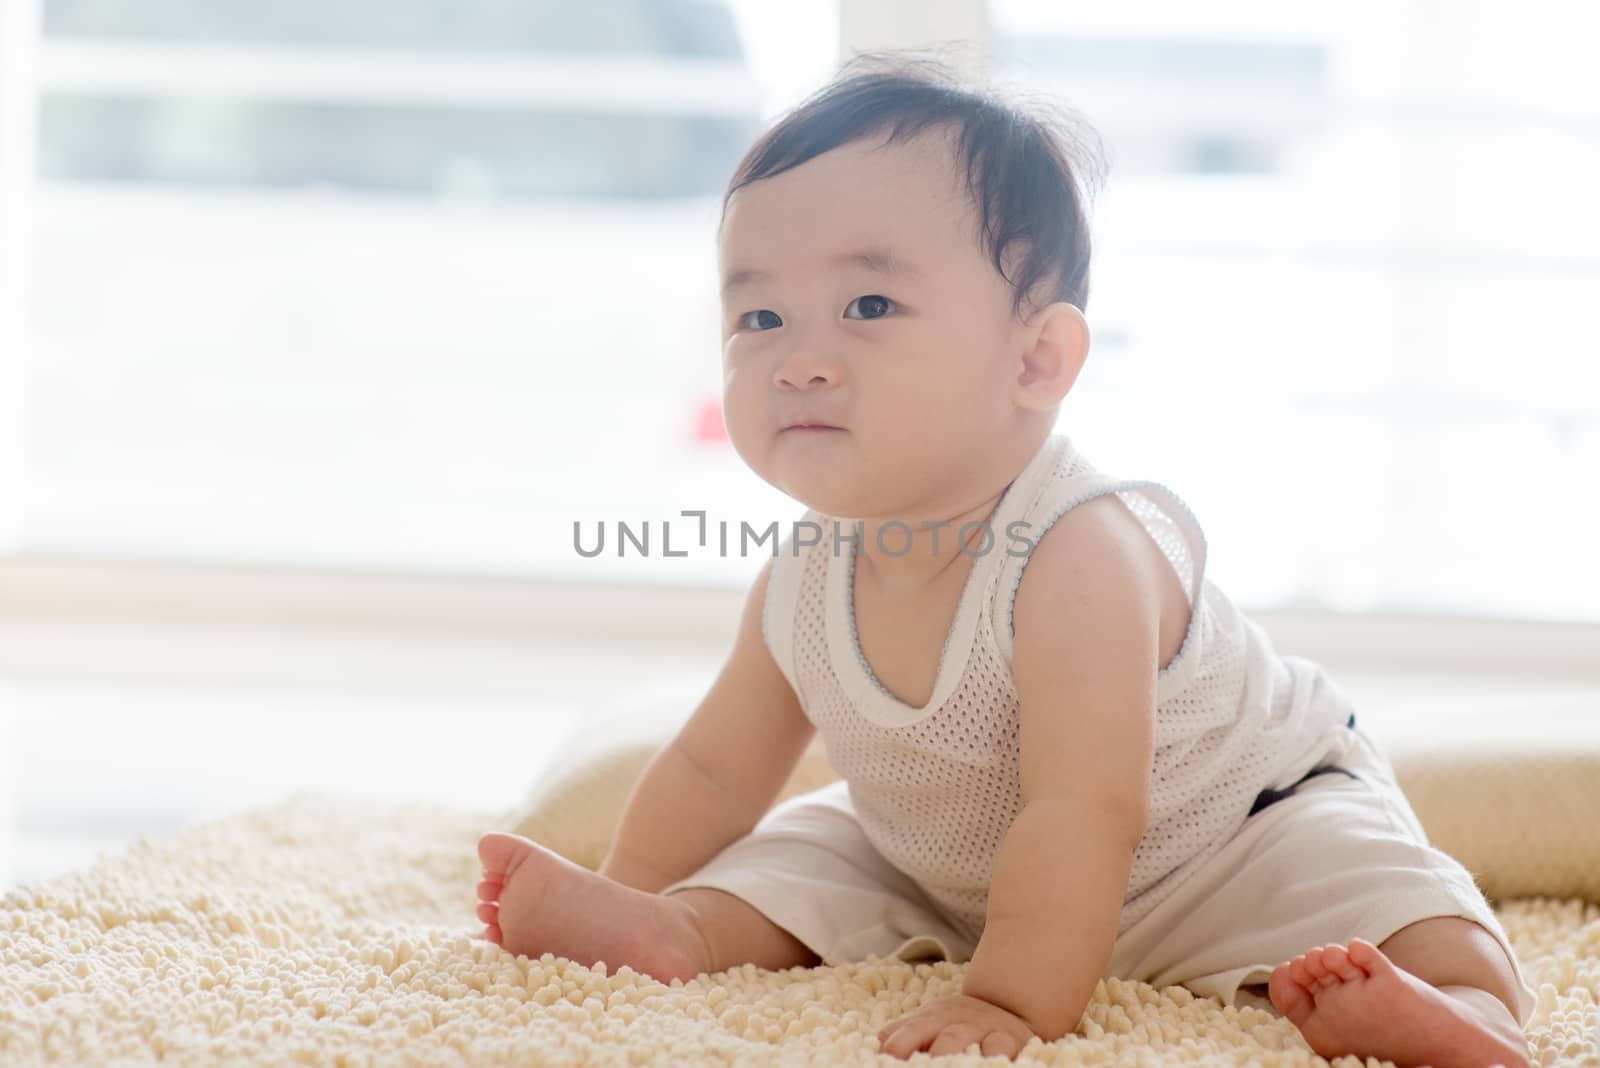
1054, 345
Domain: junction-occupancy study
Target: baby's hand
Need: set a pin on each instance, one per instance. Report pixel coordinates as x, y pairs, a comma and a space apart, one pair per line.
954, 1023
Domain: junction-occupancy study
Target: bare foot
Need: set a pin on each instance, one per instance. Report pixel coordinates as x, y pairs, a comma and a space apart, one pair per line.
535, 901
1355, 1000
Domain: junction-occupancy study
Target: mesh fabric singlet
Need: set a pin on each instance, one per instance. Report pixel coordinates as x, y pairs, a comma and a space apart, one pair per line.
935, 788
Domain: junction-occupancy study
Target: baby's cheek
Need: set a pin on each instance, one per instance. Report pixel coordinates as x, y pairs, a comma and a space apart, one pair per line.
739, 411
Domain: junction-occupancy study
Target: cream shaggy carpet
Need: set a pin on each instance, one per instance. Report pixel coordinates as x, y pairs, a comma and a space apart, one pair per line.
341, 931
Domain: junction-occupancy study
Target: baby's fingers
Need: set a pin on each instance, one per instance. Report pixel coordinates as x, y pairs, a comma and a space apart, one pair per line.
955, 1038
999, 1044
911, 1036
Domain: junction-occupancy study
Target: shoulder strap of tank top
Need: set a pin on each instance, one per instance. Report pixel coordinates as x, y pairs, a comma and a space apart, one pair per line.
1067, 495
783, 592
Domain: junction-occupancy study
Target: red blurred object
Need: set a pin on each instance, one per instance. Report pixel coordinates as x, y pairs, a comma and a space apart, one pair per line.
708, 426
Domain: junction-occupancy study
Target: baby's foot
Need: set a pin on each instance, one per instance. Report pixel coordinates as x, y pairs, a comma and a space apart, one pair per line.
535, 901
1357, 1001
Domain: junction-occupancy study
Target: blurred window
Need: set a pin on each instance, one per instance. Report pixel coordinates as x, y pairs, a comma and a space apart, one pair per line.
418, 286
407, 286
1340, 299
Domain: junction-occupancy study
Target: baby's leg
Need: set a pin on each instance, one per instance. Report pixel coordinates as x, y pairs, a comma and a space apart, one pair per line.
534, 901
736, 932
1451, 1003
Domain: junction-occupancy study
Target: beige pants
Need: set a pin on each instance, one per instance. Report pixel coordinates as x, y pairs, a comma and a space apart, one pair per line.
1340, 858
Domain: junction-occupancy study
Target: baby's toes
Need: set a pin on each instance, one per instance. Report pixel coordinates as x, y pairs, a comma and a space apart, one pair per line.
501, 854
1318, 967
1290, 997
489, 890
489, 913
1369, 958
1300, 971
1338, 961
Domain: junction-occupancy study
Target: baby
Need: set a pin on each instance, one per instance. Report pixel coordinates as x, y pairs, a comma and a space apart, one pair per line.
1065, 754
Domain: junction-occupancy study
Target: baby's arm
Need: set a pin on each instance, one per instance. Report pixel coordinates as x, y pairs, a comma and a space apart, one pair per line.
1084, 659
718, 776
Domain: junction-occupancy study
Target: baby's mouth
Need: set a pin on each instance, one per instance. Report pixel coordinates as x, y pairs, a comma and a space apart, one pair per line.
811, 424
812, 429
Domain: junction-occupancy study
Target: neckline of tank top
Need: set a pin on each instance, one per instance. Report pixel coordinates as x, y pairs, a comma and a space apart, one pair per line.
866, 693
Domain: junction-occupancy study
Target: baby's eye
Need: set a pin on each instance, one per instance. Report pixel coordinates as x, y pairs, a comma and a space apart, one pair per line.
761, 311
874, 301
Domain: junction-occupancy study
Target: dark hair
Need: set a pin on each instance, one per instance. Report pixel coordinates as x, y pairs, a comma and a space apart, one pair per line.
1018, 157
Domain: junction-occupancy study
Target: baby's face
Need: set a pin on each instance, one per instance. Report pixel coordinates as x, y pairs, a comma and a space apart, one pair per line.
911, 357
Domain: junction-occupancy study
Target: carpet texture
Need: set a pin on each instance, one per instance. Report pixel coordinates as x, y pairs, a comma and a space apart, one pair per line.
341, 931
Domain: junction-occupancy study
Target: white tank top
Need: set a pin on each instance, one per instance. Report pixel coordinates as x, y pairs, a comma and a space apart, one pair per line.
935, 788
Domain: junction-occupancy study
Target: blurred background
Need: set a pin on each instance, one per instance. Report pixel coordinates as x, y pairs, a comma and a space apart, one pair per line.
322, 322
